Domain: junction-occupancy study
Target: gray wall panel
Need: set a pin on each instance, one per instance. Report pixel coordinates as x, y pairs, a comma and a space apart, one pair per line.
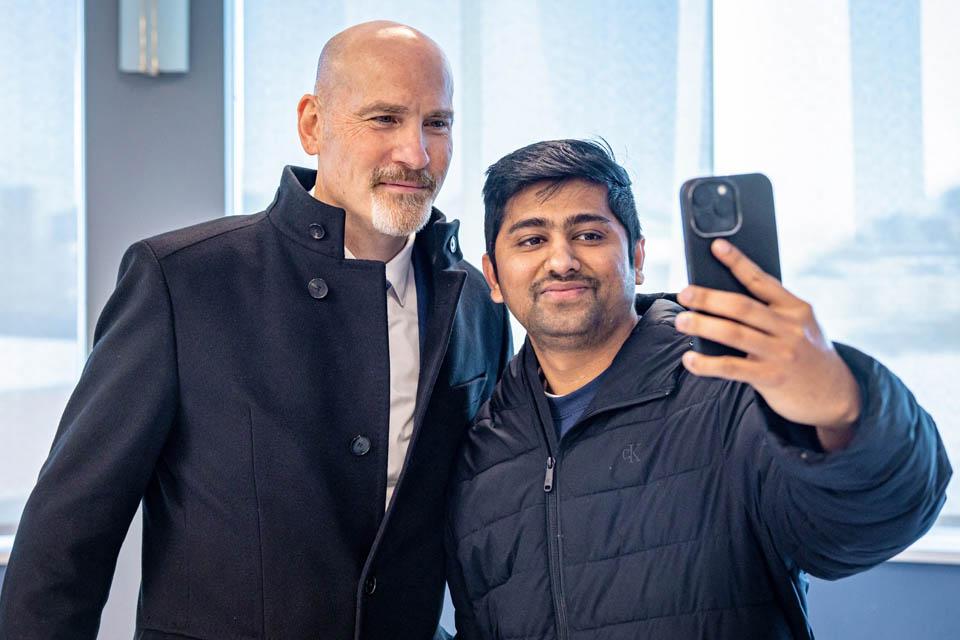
154, 161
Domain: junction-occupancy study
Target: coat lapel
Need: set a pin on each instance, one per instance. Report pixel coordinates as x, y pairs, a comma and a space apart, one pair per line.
439, 284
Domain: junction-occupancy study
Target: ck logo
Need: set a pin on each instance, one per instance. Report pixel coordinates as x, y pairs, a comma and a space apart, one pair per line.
631, 453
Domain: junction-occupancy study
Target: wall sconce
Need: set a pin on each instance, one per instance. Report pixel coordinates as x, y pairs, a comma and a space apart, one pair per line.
154, 36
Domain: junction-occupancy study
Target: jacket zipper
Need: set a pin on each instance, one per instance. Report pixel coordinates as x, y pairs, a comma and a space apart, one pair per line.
553, 543
554, 533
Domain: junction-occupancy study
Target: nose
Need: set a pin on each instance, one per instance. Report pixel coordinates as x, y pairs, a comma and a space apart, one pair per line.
410, 148
561, 259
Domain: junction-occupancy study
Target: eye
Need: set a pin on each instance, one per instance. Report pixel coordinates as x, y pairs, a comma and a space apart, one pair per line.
438, 124
531, 241
589, 236
385, 119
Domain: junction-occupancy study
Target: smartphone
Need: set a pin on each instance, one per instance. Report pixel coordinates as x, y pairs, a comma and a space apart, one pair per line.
739, 209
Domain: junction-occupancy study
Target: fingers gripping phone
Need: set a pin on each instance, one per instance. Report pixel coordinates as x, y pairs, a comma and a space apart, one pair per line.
739, 209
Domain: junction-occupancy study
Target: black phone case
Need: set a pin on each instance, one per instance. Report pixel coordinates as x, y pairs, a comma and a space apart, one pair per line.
756, 236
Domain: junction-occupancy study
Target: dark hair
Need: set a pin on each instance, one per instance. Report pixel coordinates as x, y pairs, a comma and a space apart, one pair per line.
558, 161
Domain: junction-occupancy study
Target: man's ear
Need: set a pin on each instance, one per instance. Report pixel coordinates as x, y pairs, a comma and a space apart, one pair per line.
638, 256
308, 123
490, 275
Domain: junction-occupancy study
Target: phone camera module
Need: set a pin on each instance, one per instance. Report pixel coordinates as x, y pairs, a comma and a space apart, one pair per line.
715, 211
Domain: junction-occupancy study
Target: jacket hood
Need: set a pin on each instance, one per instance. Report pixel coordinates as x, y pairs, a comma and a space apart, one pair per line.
647, 364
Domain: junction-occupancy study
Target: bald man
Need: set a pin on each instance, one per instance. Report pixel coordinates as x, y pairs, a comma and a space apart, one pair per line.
284, 391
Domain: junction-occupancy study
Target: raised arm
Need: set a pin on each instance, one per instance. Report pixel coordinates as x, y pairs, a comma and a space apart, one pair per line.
844, 468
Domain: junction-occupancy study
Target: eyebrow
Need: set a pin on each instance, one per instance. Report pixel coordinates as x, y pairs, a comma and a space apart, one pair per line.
382, 107
445, 114
572, 221
390, 108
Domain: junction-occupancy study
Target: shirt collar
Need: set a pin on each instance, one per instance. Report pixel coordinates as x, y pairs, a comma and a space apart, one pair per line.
398, 269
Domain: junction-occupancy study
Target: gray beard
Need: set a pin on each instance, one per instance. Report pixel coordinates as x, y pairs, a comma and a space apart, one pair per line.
400, 215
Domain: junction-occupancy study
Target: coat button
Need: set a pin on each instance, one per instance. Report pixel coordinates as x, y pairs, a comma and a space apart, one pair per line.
317, 232
453, 244
370, 585
360, 446
318, 288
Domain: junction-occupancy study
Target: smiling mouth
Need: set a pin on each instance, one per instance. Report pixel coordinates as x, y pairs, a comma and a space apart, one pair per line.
564, 292
403, 187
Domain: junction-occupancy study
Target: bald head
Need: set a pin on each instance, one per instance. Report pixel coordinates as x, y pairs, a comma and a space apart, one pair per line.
380, 39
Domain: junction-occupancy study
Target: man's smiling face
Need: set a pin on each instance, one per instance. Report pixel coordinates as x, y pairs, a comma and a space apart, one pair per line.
380, 126
563, 264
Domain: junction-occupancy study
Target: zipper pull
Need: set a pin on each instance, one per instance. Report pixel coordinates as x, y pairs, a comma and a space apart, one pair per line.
548, 479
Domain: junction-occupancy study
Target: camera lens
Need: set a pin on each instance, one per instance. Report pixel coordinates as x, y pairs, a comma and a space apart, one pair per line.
724, 206
703, 195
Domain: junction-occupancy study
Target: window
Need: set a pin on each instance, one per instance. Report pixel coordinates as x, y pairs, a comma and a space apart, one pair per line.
853, 115
40, 346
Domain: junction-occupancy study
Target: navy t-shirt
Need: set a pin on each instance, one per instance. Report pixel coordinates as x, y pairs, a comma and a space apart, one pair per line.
566, 410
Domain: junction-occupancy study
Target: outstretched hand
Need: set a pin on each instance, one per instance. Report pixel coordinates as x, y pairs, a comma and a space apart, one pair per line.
789, 361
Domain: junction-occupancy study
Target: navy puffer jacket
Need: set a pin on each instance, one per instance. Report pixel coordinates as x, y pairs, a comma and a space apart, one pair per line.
677, 507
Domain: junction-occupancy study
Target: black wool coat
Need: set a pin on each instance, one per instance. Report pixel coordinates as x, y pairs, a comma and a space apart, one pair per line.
676, 507
239, 387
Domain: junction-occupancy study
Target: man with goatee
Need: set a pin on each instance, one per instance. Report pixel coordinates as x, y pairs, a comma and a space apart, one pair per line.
283, 391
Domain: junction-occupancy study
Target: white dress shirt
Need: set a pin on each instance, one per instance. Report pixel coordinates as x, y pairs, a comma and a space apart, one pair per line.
404, 341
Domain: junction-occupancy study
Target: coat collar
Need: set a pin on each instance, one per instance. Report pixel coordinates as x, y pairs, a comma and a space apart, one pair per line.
319, 226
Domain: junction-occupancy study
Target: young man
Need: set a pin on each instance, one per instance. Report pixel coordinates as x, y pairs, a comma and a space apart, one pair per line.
619, 485
284, 391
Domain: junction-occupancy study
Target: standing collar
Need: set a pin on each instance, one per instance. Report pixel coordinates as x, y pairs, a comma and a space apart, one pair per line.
319, 226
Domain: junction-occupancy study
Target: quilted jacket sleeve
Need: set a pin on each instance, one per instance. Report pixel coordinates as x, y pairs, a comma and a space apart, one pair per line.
834, 514
102, 457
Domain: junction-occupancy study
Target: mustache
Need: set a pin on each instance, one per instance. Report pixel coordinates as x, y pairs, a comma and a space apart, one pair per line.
421, 178
537, 287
